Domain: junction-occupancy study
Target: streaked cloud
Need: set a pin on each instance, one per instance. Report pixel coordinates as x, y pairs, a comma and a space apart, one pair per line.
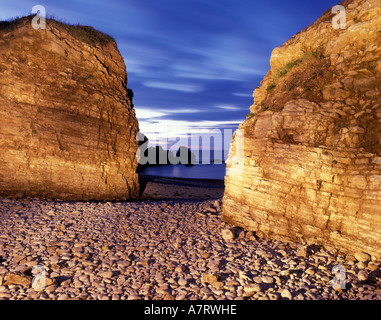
142, 113
240, 94
173, 86
191, 63
228, 107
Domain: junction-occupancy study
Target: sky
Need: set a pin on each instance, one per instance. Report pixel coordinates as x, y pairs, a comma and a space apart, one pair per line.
192, 64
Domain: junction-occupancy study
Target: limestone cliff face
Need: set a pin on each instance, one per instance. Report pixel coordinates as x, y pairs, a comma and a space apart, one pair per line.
68, 127
312, 158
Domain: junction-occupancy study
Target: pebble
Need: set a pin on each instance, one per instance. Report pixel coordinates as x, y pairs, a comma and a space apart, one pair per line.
180, 268
164, 250
286, 294
274, 295
363, 275
302, 252
267, 279
182, 282
310, 271
254, 287
107, 274
227, 234
5, 295
63, 296
373, 266
163, 289
362, 257
209, 278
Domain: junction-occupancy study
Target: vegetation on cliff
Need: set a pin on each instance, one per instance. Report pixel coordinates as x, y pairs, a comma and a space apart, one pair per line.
85, 34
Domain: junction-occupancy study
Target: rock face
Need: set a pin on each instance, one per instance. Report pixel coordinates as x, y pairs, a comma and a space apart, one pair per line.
68, 127
311, 170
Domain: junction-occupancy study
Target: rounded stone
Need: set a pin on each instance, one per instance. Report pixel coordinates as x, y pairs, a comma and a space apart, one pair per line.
107, 274
372, 266
182, 282
363, 275
252, 287
267, 279
362, 257
286, 294
227, 235
63, 297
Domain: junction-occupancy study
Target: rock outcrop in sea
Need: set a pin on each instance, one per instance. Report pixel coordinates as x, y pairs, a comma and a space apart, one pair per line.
68, 127
312, 150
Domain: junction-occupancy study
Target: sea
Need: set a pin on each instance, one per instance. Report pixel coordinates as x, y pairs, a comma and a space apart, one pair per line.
196, 171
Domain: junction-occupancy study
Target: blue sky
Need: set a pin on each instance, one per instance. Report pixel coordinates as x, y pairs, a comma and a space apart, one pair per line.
192, 64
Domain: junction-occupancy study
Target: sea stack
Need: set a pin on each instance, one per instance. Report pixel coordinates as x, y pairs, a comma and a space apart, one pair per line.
311, 167
68, 127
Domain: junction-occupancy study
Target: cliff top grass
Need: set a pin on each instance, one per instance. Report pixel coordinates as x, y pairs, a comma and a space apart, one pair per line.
302, 78
85, 34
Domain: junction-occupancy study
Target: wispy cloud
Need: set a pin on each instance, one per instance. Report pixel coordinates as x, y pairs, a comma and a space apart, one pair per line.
178, 128
228, 107
173, 86
142, 113
193, 63
240, 94
154, 113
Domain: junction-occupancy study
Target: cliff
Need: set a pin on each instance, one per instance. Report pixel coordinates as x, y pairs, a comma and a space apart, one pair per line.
311, 170
68, 127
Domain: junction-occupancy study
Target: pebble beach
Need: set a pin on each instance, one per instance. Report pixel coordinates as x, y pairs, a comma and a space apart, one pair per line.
170, 245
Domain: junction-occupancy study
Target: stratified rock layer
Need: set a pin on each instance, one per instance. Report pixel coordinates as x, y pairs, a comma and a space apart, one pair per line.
311, 168
68, 127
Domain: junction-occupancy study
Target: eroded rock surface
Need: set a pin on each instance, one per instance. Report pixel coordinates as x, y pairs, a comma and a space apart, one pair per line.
311, 170
68, 127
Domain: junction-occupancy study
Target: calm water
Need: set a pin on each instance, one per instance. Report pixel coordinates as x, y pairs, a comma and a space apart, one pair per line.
197, 171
